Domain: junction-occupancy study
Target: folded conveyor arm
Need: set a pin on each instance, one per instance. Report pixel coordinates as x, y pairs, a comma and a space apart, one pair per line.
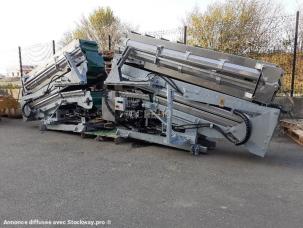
219, 95
237, 76
61, 86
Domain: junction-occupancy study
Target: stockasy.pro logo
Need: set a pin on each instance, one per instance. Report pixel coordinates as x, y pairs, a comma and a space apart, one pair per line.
57, 222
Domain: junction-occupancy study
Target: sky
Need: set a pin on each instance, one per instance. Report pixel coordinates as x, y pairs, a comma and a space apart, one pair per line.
28, 22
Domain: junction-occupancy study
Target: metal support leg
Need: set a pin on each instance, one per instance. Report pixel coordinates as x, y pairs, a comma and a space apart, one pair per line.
169, 113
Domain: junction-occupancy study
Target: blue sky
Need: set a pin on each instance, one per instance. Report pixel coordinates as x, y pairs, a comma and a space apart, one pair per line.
29, 22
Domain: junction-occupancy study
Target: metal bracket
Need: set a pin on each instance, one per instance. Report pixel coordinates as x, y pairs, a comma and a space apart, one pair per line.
158, 53
74, 68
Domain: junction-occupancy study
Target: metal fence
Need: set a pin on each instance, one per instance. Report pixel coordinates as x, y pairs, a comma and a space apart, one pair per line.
286, 50
34, 55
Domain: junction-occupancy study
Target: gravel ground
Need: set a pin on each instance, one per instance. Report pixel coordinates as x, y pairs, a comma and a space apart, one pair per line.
57, 176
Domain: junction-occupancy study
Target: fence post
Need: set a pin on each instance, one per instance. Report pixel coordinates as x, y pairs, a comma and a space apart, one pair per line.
294, 57
20, 62
109, 42
54, 47
21, 70
185, 35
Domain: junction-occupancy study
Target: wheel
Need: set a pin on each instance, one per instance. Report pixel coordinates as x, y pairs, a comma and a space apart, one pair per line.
197, 149
42, 127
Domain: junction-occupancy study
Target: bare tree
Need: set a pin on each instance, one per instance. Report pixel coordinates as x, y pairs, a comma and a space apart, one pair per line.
235, 26
98, 26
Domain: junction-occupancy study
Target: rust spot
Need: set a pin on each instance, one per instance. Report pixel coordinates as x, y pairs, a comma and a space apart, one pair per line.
221, 102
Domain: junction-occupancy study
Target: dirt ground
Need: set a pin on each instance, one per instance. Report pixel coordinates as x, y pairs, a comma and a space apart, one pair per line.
58, 176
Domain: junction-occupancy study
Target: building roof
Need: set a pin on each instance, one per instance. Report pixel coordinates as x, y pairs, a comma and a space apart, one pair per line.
27, 67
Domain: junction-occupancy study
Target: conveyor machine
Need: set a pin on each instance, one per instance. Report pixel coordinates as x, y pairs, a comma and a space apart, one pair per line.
65, 92
183, 97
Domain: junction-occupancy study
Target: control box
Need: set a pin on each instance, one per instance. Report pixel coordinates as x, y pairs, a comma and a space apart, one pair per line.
120, 103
